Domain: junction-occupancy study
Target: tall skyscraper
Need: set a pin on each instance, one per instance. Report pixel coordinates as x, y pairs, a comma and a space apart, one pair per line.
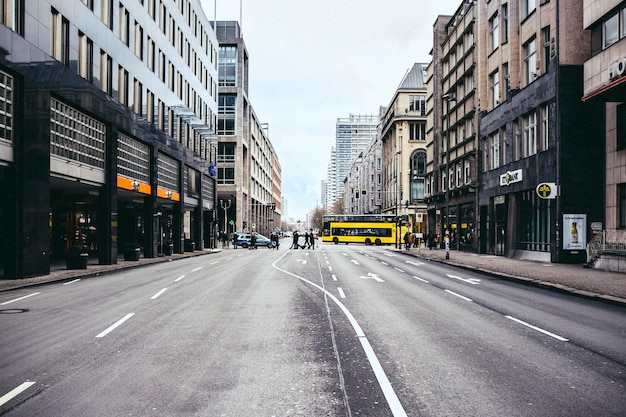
353, 134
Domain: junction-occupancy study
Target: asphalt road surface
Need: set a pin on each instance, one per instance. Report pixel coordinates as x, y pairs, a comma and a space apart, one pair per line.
342, 330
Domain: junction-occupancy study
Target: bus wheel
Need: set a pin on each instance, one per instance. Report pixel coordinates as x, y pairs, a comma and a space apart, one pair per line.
368, 241
335, 240
377, 242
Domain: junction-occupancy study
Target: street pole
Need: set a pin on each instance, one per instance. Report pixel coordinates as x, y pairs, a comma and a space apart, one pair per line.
448, 98
225, 205
397, 214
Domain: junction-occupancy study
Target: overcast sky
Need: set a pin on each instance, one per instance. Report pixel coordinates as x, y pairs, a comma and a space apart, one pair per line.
312, 62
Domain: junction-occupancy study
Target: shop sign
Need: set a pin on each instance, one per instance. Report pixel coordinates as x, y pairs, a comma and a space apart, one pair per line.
546, 190
617, 69
574, 231
511, 177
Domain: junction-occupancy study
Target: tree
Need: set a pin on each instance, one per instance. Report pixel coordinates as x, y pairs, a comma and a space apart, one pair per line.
338, 207
316, 217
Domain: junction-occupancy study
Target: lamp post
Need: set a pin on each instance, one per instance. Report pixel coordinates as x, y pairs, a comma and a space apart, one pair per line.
225, 204
448, 98
396, 157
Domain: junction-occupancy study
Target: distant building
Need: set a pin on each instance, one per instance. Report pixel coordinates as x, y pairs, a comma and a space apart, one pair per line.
353, 134
249, 175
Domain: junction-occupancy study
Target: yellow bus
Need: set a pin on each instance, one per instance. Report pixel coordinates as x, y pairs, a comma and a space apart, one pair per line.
370, 229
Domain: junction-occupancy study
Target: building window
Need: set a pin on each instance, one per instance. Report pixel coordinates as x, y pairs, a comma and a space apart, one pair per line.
494, 31
133, 158
107, 13
228, 66
124, 26
443, 181
505, 23
11, 15
494, 85
138, 41
545, 132
85, 57
60, 38
528, 6
468, 172
530, 61
545, 34
610, 30
621, 127
494, 150
106, 73
530, 134
417, 131
123, 86
418, 175
418, 104
227, 105
6, 106
226, 176
621, 206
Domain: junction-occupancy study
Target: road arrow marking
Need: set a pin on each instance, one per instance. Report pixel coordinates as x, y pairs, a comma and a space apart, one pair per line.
301, 260
473, 281
372, 276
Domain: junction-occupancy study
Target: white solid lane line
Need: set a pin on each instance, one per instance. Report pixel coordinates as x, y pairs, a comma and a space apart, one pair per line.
116, 325
71, 282
15, 392
18, 299
393, 401
539, 329
155, 296
458, 295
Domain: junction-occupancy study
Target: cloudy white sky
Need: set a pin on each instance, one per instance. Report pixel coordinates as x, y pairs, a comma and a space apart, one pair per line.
312, 62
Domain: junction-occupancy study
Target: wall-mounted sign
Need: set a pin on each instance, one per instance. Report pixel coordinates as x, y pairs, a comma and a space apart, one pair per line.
617, 69
546, 190
510, 177
574, 231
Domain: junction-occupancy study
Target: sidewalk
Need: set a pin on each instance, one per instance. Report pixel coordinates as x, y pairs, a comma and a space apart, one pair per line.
58, 272
587, 282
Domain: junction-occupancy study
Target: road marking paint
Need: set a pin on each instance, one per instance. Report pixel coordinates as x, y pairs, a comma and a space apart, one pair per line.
384, 263
18, 299
539, 329
390, 395
414, 263
344, 254
198, 268
330, 268
420, 279
73, 281
155, 296
116, 325
398, 269
15, 392
179, 278
458, 295
341, 293
354, 261
334, 277
212, 263
372, 276
473, 281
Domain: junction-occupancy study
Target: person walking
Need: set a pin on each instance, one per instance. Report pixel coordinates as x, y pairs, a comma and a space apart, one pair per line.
407, 238
253, 240
294, 244
234, 239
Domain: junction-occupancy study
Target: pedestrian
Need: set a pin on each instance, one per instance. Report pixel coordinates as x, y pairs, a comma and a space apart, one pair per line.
234, 239
253, 240
274, 238
314, 240
307, 239
407, 237
294, 244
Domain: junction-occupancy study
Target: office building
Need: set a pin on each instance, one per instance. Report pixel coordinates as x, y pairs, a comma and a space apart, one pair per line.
109, 111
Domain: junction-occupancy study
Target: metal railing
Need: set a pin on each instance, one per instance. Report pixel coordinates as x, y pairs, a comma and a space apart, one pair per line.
606, 241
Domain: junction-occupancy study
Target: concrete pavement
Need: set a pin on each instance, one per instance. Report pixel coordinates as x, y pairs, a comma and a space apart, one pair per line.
587, 282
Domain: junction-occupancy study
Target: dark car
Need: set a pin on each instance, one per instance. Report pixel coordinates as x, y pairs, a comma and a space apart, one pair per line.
243, 240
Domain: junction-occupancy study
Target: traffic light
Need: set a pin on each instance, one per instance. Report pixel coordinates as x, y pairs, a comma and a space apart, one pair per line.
356, 193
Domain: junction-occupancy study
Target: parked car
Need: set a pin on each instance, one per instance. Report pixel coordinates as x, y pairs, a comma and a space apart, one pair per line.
243, 240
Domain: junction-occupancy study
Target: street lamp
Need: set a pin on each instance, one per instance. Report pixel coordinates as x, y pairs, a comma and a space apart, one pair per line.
448, 98
396, 156
225, 204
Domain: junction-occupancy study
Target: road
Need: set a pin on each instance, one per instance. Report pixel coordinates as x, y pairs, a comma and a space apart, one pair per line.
342, 330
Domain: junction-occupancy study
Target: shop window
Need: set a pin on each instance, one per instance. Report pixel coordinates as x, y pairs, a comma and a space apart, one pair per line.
621, 127
621, 206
